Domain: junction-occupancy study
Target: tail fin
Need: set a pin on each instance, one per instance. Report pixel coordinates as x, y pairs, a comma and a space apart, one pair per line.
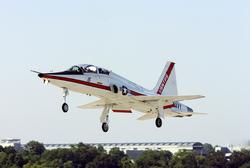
166, 84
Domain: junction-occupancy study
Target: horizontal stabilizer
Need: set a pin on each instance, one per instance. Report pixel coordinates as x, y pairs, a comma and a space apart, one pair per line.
182, 114
149, 116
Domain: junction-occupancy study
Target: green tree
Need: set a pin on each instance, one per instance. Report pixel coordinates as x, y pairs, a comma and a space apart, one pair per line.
246, 165
200, 160
64, 154
184, 159
1, 148
152, 158
127, 163
116, 156
238, 158
101, 149
68, 164
19, 160
208, 148
216, 160
3, 159
83, 154
35, 148
9, 150
102, 161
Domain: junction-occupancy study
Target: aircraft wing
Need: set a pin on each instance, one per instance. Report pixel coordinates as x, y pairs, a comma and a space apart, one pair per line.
149, 116
96, 104
167, 98
138, 103
116, 107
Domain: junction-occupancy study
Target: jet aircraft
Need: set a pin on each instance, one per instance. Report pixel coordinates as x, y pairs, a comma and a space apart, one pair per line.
121, 95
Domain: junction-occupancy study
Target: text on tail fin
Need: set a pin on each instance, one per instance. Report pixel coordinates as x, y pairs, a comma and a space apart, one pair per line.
166, 84
165, 78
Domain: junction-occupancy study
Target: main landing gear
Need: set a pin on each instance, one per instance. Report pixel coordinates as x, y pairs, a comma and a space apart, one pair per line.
158, 120
104, 119
105, 127
65, 107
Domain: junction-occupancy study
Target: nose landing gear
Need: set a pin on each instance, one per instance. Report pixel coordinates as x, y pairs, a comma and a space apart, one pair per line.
65, 107
158, 120
104, 119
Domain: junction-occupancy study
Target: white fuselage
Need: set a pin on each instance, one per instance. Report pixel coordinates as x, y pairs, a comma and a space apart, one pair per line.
121, 95
99, 85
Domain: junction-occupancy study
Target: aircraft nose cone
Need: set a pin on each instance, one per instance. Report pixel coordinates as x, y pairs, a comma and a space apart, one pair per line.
41, 75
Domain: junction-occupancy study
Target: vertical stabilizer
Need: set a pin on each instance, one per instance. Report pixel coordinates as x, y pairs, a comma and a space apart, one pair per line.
166, 84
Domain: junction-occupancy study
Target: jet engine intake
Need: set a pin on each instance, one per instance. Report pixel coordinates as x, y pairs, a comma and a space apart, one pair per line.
114, 88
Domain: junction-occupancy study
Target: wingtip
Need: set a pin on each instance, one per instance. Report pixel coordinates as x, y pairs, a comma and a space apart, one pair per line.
80, 107
197, 113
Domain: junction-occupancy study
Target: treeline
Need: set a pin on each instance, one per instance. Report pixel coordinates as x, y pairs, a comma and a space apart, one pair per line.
34, 155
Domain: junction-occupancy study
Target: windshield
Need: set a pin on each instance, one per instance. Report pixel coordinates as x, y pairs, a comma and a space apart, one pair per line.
76, 70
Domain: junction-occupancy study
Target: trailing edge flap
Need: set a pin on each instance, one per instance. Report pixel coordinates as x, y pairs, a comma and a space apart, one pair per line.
121, 108
182, 114
96, 104
149, 116
167, 98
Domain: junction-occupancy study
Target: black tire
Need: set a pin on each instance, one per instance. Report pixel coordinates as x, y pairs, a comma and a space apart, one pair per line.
114, 89
65, 107
105, 127
158, 122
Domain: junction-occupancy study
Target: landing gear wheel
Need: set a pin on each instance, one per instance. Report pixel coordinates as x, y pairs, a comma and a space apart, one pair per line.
65, 107
158, 122
105, 127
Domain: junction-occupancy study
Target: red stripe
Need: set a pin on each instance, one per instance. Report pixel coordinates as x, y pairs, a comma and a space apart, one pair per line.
100, 87
122, 111
168, 106
135, 93
78, 81
165, 79
87, 83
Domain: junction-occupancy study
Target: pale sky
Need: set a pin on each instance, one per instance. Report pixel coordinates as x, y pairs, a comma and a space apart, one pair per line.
208, 40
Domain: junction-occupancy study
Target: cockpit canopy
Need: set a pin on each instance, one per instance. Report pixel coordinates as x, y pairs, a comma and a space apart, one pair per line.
81, 69
76, 69
90, 69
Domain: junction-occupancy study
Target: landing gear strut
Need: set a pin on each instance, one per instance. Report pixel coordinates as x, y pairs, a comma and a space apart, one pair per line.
105, 118
65, 107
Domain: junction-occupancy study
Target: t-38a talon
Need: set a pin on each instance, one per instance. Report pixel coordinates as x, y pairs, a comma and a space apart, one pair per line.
120, 95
